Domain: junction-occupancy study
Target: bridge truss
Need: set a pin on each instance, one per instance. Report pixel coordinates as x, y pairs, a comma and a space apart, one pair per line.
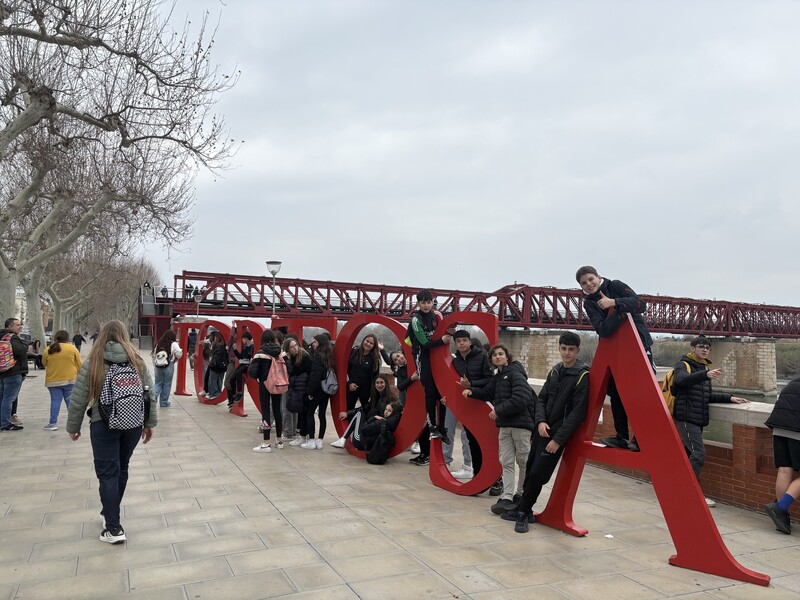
515, 305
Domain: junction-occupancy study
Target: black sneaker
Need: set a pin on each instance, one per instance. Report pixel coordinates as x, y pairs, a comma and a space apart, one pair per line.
435, 434
511, 515
521, 526
420, 459
633, 445
445, 438
779, 517
497, 488
12, 427
615, 442
503, 505
517, 498
113, 537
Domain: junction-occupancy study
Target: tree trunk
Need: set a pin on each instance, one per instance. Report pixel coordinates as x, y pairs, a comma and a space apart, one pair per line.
32, 284
56, 314
8, 291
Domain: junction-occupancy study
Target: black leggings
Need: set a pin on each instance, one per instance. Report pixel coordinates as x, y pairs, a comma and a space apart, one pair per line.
265, 398
320, 404
237, 379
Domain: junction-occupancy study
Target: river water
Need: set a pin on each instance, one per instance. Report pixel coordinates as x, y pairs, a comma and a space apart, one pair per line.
720, 431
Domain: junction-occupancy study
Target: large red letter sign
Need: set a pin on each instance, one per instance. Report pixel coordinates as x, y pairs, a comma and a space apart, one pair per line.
473, 414
694, 533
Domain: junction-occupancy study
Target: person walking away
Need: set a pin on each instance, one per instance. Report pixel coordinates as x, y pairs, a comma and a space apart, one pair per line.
112, 448
165, 354
62, 362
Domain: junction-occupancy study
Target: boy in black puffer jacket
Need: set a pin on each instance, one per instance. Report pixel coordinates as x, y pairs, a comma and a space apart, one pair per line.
560, 409
512, 402
693, 392
600, 295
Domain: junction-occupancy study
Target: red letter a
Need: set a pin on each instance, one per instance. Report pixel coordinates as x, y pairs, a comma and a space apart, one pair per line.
694, 533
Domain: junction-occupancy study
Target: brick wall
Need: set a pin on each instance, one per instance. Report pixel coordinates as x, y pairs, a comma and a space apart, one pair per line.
741, 474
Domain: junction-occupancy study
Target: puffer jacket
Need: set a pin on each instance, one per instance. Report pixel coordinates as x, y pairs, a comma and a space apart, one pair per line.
512, 397
20, 350
693, 391
373, 427
474, 366
261, 362
786, 414
298, 382
79, 401
563, 400
627, 302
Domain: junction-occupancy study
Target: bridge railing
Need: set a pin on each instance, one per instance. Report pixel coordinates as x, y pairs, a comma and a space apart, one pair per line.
515, 305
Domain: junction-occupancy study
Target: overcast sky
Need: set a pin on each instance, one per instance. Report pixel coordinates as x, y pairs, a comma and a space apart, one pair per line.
468, 145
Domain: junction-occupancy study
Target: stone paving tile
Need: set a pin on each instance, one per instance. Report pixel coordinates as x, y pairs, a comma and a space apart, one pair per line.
81, 586
527, 572
254, 586
240, 525
218, 547
470, 580
181, 573
314, 577
273, 558
378, 566
539, 592
339, 592
401, 587
673, 581
617, 587
171, 535
38, 571
112, 560
753, 592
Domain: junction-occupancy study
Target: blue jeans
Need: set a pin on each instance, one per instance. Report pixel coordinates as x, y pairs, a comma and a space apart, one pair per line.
215, 382
9, 388
57, 394
162, 383
112, 449
450, 421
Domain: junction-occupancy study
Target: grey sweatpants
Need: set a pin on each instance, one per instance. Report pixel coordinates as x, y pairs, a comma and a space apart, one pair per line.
692, 438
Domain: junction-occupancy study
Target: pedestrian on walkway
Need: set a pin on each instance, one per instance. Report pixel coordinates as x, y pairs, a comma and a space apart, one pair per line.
13, 370
62, 362
785, 424
112, 448
166, 352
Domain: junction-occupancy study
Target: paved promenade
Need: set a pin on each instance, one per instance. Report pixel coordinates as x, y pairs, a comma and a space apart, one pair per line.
207, 518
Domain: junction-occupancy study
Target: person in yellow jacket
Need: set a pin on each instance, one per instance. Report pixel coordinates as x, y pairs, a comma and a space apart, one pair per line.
61, 361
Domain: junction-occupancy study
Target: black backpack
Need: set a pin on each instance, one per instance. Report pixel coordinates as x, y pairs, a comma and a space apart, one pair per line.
379, 453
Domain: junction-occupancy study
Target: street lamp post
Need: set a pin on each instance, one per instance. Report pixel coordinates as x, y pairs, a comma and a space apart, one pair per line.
273, 266
198, 298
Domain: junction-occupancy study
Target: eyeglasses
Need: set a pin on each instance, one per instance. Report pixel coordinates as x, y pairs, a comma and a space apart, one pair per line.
703, 347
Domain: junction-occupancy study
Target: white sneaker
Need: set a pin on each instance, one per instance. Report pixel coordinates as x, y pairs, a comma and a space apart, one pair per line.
318, 444
309, 445
113, 537
463, 473
263, 448
298, 441
279, 444
710, 503
201, 394
415, 448
51, 427
339, 443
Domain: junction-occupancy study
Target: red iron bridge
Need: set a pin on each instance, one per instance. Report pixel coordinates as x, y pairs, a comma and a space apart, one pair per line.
516, 306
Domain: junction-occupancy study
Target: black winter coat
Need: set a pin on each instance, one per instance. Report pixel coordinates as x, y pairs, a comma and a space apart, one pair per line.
298, 382
512, 397
219, 359
786, 414
20, 350
316, 376
262, 362
361, 369
563, 400
373, 428
475, 367
693, 391
627, 302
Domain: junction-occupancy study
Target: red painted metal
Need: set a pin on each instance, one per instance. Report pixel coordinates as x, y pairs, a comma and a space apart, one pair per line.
514, 305
697, 541
473, 414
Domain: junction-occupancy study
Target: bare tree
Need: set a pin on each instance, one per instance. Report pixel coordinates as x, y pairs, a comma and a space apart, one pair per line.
105, 114
113, 66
